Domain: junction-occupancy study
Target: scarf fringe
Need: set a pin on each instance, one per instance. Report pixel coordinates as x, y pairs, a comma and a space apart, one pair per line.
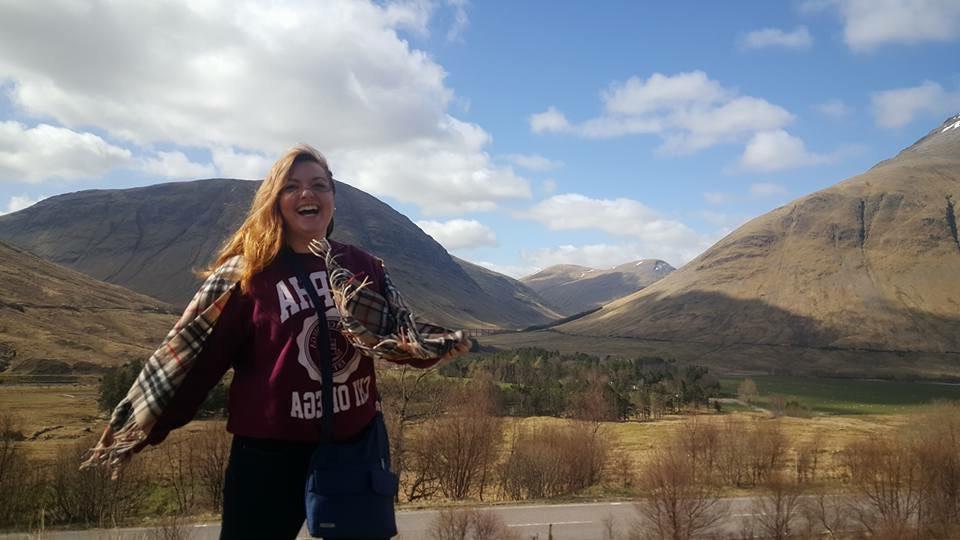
405, 340
115, 454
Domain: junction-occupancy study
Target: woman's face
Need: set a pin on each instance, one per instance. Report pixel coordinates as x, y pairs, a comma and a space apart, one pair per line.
306, 204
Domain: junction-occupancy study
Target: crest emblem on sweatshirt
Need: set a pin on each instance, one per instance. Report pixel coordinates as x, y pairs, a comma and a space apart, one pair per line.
345, 358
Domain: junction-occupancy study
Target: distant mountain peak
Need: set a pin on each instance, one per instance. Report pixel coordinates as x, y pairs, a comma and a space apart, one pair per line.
574, 288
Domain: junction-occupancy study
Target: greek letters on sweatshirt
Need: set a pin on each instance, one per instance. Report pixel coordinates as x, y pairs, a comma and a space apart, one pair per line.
269, 335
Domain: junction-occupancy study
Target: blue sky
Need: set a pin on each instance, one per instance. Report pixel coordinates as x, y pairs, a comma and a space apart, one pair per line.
518, 134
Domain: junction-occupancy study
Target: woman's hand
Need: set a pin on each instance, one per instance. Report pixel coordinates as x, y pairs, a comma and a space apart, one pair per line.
460, 348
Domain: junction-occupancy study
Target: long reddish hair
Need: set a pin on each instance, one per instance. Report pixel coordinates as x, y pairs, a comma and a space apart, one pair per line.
261, 236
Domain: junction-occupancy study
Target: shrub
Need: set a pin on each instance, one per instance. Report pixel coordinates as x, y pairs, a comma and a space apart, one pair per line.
21, 482
116, 382
90, 496
750, 451
462, 445
548, 461
469, 524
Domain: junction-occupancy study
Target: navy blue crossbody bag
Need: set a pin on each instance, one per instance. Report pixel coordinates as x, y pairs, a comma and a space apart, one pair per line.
350, 488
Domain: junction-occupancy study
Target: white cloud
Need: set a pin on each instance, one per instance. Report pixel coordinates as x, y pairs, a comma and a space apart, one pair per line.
448, 175
592, 255
34, 154
549, 185
605, 255
663, 92
833, 107
248, 79
778, 150
656, 235
871, 23
19, 202
512, 270
460, 20
775, 37
762, 190
548, 121
176, 165
243, 165
897, 108
716, 218
689, 111
459, 233
729, 122
717, 197
533, 162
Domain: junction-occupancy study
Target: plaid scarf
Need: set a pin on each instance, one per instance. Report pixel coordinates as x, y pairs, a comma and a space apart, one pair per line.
380, 327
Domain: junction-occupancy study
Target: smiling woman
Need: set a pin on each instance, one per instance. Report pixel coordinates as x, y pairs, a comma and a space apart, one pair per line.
286, 321
306, 202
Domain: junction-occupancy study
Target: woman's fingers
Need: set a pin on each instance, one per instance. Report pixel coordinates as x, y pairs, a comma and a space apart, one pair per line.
461, 347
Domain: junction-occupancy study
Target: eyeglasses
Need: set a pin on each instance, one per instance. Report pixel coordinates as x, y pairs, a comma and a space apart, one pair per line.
315, 187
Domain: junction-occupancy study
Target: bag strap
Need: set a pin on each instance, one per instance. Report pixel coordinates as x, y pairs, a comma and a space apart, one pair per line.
325, 360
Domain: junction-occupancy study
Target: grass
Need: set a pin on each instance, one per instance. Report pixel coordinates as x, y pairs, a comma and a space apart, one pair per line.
35, 407
849, 396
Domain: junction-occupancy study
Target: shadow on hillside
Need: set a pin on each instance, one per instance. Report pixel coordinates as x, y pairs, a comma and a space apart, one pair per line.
709, 317
718, 330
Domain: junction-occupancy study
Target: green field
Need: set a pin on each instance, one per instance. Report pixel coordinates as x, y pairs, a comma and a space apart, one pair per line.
848, 396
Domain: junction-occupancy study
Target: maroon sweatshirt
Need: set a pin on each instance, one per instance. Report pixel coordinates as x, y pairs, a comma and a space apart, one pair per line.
269, 336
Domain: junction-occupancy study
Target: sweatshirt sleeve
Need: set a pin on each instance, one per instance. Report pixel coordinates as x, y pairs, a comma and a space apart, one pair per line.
220, 351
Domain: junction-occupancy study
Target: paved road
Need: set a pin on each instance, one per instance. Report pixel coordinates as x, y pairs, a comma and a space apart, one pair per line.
570, 522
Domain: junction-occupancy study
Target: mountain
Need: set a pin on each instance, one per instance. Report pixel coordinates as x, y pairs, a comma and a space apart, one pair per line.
506, 289
574, 289
57, 320
861, 277
150, 240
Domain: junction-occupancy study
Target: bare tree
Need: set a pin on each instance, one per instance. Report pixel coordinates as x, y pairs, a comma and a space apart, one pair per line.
887, 480
178, 473
825, 515
701, 441
681, 501
463, 443
808, 458
594, 402
747, 390
409, 396
213, 453
778, 405
732, 461
778, 508
935, 440
621, 472
767, 446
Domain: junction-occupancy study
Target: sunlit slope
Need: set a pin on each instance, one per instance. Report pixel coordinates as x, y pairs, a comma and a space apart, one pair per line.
872, 263
56, 320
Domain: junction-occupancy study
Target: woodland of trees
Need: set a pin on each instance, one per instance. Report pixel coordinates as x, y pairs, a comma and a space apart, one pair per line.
539, 382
